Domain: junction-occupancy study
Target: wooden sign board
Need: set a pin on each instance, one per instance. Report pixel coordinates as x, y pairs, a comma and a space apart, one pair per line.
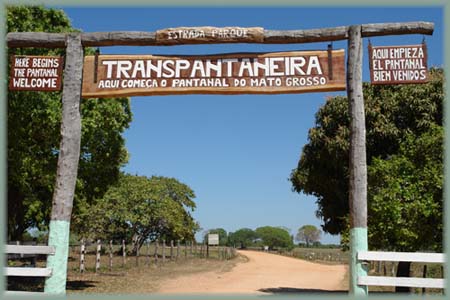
202, 35
36, 73
242, 73
398, 64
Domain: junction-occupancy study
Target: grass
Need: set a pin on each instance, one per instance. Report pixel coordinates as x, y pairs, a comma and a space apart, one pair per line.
390, 269
142, 279
320, 255
131, 278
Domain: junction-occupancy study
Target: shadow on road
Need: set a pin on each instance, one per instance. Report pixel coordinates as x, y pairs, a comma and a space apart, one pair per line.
74, 285
290, 290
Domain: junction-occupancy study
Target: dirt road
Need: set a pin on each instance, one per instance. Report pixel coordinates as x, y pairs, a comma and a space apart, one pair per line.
262, 273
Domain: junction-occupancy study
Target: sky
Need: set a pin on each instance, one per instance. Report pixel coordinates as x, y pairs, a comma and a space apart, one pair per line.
237, 152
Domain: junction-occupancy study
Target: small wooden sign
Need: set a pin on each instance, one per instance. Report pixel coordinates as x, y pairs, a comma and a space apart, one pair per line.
213, 239
398, 64
202, 35
36, 73
240, 73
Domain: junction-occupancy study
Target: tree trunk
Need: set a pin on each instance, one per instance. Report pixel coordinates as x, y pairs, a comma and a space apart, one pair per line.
403, 271
16, 214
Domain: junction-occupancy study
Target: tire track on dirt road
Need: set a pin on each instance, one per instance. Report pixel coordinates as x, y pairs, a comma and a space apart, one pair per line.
262, 273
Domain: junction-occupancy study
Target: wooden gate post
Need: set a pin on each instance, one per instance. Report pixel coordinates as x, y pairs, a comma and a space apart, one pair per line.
358, 165
66, 174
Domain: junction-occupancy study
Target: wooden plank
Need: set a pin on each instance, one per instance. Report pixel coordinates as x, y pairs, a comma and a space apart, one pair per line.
23, 293
402, 281
31, 272
22, 249
231, 73
402, 256
142, 38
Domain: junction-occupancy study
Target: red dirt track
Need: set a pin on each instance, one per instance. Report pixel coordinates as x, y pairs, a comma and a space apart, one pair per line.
263, 273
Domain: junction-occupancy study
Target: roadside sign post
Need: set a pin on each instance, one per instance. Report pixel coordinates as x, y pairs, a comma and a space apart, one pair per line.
72, 85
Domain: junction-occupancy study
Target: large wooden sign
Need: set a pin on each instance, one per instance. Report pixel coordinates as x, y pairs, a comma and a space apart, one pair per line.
35, 73
202, 35
398, 64
244, 73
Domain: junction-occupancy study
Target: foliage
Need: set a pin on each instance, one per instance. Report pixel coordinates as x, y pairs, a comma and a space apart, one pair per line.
274, 237
34, 135
395, 115
223, 236
309, 234
242, 238
405, 195
141, 208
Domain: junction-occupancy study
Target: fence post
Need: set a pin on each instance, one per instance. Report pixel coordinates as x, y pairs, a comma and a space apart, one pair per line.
124, 254
97, 257
82, 253
171, 249
156, 251
178, 249
191, 244
137, 252
21, 254
185, 249
163, 251
110, 255
147, 254
424, 275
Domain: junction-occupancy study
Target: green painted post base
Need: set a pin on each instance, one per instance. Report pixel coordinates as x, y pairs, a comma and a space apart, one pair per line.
358, 242
58, 238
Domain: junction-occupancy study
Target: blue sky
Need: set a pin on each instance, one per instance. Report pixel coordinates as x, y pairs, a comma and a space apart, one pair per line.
237, 152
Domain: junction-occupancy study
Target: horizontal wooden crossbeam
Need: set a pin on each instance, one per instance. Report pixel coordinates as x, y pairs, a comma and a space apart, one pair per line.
402, 256
402, 281
32, 272
22, 249
142, 38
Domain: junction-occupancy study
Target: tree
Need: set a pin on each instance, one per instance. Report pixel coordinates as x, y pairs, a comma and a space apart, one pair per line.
143, 209
274, 237
242, 238
405, 167
34, 135
309, 234
392, 112
223, 236
405, 198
